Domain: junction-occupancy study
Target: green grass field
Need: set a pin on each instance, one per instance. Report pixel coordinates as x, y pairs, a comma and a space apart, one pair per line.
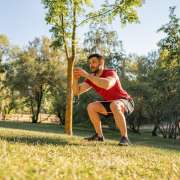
43, 151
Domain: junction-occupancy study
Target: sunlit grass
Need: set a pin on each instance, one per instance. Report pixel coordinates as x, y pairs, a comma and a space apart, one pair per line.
41, 151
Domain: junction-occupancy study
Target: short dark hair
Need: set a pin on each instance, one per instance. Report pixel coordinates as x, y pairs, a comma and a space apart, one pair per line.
98, 56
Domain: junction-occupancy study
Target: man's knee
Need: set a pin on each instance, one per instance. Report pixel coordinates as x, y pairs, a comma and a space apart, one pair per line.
117, 106
91, 106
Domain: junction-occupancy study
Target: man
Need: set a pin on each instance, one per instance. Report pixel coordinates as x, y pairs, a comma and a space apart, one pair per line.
116, 100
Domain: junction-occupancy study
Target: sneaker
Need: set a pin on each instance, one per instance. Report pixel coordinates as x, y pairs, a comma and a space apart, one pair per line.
124, 141
95, 138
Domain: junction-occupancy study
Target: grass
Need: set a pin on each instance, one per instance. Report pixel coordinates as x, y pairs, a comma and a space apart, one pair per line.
43, 151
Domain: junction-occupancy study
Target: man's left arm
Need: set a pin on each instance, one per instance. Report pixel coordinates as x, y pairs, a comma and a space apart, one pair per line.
105, 83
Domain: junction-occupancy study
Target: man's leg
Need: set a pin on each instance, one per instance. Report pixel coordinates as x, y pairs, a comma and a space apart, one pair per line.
117, 108
93, 111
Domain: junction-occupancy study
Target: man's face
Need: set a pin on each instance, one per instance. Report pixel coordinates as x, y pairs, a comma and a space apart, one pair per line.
94, 64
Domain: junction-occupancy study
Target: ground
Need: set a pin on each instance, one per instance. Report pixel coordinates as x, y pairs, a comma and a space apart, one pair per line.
43, 151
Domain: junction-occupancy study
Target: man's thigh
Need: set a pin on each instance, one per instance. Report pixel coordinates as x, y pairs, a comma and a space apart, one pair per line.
98, 107
126, 106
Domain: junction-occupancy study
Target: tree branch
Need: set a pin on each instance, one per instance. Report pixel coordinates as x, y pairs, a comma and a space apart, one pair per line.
74, 31
99, 14
64, 39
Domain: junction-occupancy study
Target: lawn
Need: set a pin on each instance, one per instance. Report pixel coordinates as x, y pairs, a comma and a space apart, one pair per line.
43, 151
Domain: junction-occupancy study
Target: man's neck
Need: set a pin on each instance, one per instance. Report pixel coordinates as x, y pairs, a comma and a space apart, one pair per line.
99, 73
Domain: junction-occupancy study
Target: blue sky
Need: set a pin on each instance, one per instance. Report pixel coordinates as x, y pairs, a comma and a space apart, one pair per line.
23, 20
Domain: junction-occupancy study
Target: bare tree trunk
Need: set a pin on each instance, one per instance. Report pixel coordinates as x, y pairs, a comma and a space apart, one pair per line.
69, 99
156, 127
39, 101
69, 96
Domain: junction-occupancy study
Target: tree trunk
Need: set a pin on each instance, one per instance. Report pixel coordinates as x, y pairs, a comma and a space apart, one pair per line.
61, 118
32, 111
69, 95
69, 98
39, 100
35, 112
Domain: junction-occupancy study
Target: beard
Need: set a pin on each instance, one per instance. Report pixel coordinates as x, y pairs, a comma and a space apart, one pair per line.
95, 71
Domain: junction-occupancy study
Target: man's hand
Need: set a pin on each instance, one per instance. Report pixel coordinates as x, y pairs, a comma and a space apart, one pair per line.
76, 76
79, 72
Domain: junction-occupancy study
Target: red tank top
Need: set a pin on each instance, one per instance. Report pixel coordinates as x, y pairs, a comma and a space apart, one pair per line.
115, 92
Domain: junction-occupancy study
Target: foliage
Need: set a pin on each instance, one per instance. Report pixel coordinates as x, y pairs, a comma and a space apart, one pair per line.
33, 73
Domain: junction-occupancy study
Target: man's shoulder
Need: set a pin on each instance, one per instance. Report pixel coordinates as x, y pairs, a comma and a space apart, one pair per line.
109, 70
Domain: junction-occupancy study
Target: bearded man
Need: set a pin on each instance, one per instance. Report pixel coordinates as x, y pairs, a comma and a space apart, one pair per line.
116, 100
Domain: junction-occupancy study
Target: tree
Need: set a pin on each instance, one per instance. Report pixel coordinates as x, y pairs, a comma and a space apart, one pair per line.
64, 17
33, 72
99, 40
169, 47
4, 43
165, 78
8, 97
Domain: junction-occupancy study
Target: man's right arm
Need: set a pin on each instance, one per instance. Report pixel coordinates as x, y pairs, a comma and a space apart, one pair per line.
80, 88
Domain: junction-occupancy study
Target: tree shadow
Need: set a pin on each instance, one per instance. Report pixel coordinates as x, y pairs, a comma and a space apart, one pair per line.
32, 140
146, 139
48, 128
141, 140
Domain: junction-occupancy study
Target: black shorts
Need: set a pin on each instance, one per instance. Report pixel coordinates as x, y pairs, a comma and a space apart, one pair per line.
128, 104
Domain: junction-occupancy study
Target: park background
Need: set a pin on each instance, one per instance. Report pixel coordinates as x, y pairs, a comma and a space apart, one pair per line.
41, 42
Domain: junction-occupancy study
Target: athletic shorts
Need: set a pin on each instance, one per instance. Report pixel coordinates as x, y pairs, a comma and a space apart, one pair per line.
128, 104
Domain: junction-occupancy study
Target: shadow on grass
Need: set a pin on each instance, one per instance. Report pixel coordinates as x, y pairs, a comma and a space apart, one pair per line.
48, 128
32, 140
146, 139
141, 140
42, 127
40, 139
